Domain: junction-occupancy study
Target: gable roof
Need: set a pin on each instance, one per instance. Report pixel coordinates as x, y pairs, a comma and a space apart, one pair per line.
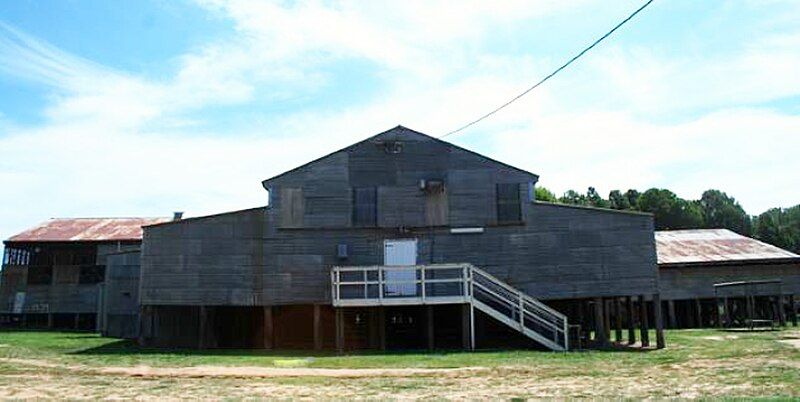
715, 246
86, 229
396, 131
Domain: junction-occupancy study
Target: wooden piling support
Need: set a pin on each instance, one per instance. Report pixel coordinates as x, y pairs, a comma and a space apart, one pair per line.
673, 321
600, 334
643, 325
781, 310
317, 327
698, 310
382, 328
660, 343
429, 326
202, 339
617, 320
339, 330
607, 318
631, 320
269, 328
792, 311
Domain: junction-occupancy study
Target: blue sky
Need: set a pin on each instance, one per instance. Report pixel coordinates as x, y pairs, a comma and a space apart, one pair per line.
141, 108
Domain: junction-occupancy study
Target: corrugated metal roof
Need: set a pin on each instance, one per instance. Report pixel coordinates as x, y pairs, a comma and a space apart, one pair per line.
702, 246
87, 229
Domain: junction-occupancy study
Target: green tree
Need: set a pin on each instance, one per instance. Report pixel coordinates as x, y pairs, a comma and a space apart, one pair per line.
722, 211
572, 197
594, 199
671, 212
543, 194
780, 227
617, 200
633, 197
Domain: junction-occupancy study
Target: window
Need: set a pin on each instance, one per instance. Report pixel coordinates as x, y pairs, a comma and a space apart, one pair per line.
365, 206
292, 207
508, 205
91, 274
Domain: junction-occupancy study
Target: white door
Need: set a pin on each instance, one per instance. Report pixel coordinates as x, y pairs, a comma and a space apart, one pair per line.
400, 253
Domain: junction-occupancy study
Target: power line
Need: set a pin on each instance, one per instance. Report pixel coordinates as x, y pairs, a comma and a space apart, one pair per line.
576, 57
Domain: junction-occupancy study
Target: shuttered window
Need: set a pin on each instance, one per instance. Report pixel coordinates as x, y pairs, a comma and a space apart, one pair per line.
508, 205
365, 206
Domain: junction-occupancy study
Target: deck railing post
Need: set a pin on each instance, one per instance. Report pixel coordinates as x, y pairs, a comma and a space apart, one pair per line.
422, 281
380, 284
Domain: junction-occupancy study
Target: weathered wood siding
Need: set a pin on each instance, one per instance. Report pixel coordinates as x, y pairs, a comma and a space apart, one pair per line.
120, 308
282, 254
697, 282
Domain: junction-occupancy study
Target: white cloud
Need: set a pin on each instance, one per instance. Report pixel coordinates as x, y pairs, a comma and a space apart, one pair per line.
116, 143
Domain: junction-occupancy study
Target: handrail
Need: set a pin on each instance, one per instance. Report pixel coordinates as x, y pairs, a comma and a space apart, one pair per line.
476, 286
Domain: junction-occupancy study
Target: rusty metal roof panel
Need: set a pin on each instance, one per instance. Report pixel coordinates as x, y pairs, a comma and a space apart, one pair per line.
703, 246
87, 229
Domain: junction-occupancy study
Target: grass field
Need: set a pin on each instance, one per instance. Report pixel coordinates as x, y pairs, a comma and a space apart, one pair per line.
696, 363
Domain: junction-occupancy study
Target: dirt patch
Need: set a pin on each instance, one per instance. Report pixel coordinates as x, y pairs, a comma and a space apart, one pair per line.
791, 342
270, 372
721, 338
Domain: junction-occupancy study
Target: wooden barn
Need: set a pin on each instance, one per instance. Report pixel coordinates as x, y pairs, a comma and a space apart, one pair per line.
53, 275
399, 241
715, 277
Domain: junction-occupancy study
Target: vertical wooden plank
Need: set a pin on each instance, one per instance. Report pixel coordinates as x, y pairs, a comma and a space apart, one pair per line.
430, 333
698, 310
269, 328
781, 310
50, 320
317, 327
660, 344
673, 321
643, 325
631, 320
77, 320
792, 311
617, 320
600, 335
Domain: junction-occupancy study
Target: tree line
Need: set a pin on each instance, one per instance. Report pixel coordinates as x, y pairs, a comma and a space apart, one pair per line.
713, 210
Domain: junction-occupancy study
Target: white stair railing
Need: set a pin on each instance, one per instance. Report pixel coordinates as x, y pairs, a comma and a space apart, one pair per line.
450, 283
518, 310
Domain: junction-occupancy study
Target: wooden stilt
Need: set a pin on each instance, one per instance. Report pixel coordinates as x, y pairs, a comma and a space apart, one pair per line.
382, 328
269, 328
472, 344
792, 311
317, 327
465, 331
600, 334
660, 343
643, 327
430, 334
673, 321
726, 313
698, 311
202, 339
631, 320
781, 310
77, 321
339, 330
607, 318
617, 320
50, 320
